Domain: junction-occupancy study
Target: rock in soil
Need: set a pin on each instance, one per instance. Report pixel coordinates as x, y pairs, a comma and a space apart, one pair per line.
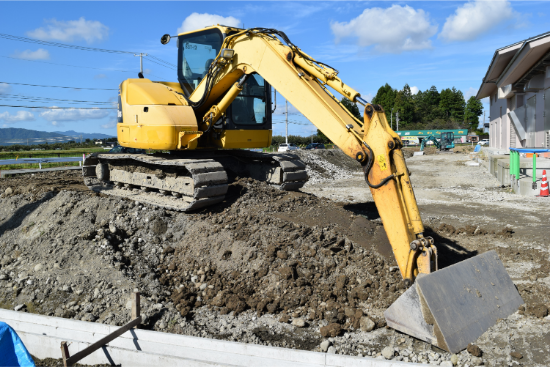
331, 330
367, 324
474, 350
325, 345
538, 310
388, 352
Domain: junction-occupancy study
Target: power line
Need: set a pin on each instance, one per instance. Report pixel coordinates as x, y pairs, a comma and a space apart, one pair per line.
62, 45
37, 98
55, 86
169, 66
74, 66
162, 61
292, 122
61, 108
74, 47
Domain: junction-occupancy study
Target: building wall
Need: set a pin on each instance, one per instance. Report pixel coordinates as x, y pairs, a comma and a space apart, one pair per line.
498, 135
500, 125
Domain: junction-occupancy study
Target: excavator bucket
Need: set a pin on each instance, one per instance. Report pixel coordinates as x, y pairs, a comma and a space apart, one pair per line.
452, 307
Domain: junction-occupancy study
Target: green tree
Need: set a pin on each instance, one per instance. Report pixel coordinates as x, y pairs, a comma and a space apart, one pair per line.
404, 104
432, 96
352, 108
452, 104
385, 97
427, 106
474, 109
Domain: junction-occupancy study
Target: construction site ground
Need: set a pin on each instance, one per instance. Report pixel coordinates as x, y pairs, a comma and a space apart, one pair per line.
311, 270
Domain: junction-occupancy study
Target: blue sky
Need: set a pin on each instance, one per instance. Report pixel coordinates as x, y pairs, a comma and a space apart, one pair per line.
441, 43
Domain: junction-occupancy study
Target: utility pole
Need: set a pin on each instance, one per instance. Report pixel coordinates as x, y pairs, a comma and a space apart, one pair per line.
397, 120
286, 112
391, 118
141, 63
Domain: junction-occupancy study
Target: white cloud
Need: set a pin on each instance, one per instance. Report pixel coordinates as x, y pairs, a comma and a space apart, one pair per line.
367, 97
470, 92
109, 125
197, 21
281, 109
100, 76
414, 90
5, 88
71, 30
55, 123
73, 114
39, 54
392, 30
475, 18
20, 116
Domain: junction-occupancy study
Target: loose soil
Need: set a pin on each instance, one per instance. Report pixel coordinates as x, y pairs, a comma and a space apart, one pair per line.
246, 269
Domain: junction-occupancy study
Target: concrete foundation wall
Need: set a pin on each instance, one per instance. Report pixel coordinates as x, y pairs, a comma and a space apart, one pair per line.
525, 169
524, 186
42, 335
493, 163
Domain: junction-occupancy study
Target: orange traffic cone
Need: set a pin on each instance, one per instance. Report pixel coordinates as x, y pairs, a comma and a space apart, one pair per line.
544, 185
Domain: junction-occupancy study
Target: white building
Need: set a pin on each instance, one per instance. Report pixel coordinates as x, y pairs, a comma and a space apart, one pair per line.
518, 86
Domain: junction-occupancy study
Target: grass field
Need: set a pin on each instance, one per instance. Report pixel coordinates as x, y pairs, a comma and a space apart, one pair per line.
49, 153
45, 154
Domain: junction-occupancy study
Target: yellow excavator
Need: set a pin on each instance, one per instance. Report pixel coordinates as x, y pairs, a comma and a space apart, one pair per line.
221, 105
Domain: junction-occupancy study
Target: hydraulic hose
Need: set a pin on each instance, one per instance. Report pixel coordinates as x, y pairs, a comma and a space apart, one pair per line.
370, 161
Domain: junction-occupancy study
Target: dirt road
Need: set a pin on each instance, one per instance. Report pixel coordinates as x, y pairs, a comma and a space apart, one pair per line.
308, 270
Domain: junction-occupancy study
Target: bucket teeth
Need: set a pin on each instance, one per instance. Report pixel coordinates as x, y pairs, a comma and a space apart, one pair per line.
452, 307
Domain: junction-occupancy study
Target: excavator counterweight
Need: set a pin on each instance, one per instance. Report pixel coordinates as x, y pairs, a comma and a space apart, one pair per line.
221, 105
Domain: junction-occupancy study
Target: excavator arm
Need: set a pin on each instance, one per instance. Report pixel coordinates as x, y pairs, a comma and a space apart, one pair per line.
304, 82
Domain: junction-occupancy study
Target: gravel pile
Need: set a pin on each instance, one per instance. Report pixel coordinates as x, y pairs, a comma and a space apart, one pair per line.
328, 165
79, 255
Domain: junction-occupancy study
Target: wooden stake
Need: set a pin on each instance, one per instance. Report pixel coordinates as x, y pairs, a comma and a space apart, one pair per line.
65, 353
134, 323
136, 308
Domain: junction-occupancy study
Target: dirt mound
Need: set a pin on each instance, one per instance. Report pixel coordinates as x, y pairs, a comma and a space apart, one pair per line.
52, 362
470, 230
328, 164
79, 255
250, 259
38, 184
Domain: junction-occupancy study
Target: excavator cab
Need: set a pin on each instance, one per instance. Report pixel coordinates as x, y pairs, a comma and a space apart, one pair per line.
247, 121
447, 141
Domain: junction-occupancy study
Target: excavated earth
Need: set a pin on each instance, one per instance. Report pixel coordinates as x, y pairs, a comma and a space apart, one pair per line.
311, 270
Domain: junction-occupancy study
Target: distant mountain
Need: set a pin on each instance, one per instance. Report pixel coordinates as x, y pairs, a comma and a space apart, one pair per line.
84, 135
10, 136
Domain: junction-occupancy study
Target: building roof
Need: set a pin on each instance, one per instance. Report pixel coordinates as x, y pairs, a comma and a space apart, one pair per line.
459, 132
511, 63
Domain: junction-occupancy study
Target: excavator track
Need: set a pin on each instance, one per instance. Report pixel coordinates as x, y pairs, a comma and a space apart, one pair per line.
186, 184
